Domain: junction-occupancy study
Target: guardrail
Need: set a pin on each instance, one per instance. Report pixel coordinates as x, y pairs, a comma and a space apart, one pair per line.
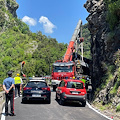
2, 100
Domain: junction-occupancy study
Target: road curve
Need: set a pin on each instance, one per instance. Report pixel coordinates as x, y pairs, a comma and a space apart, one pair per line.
53, 111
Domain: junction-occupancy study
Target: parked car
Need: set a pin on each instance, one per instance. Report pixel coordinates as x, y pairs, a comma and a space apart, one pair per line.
36, 78
71, 90
36, 89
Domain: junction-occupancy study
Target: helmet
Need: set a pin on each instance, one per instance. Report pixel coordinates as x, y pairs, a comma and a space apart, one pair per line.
18, 74
73, 77
83, 77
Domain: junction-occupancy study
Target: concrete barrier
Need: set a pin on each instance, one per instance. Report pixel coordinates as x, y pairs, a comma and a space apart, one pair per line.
2, 100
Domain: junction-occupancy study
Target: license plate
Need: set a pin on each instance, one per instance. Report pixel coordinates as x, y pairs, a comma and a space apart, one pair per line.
36, 95
53, 83
34, 91
75, 93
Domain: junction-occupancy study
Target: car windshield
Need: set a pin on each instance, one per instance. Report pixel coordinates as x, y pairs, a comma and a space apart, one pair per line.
77, 85
36, 84
62, 68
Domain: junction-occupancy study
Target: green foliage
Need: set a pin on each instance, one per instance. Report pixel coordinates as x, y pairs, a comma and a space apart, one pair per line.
2, 4
110, 37
38, 51
117, 84
15, 28
113, 16
87, 45
24, 28
49, 50
2, 18
107, 77
118, 108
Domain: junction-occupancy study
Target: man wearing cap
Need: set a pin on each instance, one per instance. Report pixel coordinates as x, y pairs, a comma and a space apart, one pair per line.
18, 84
8, 86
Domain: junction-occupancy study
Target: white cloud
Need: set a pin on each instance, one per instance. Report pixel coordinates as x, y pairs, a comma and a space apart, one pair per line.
47, 25
29, 21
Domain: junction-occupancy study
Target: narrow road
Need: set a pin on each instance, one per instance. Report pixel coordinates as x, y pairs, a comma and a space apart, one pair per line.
53, 111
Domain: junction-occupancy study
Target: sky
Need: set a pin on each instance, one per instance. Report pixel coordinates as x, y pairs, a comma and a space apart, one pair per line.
54, 18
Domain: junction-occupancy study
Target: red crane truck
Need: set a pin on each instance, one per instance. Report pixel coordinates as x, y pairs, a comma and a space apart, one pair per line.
72, 63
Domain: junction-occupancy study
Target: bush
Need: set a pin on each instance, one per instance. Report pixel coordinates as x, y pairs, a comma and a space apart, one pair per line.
1, 4
118, 108
113, 16
2, 18
15, 28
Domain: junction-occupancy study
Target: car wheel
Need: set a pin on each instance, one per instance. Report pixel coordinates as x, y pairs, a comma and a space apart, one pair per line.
48, 100
23, 101
56, 97
61, 101
83, 104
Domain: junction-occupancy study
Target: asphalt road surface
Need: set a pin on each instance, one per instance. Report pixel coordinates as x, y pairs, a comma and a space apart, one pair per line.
53, 111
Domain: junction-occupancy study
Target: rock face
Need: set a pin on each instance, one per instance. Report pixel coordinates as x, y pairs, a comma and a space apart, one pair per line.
5, 19
12, 6
102, 48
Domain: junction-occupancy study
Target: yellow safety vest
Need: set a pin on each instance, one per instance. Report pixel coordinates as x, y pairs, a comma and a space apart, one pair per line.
83, 80
17, 80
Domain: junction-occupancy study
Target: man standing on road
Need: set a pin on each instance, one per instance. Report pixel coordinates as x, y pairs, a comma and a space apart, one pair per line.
18, 84
8, 86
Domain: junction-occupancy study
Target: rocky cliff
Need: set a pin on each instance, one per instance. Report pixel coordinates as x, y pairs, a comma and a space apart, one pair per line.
105, 45
7, 12
98, 30
12, 6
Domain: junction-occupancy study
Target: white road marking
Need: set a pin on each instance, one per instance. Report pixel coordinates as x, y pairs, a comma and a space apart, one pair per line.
98, 111
3, 112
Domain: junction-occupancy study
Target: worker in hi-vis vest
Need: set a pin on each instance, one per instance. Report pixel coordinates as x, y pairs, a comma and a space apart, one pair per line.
83, 79
18, 84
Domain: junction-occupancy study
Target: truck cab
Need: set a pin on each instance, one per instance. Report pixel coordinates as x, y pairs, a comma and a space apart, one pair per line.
62, 70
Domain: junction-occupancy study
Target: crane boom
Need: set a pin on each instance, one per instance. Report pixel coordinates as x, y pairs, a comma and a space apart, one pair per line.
77, 31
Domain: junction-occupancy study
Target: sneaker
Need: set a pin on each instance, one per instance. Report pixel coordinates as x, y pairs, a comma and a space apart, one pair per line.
12, 114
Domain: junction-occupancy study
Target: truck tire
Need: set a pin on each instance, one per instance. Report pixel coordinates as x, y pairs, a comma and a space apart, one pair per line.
54, 87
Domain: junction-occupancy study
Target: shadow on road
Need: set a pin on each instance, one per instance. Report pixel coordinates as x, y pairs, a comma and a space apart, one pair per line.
35, 102
70, 103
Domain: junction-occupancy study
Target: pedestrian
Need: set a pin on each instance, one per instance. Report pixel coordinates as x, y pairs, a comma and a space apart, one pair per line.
8, 87
18, 84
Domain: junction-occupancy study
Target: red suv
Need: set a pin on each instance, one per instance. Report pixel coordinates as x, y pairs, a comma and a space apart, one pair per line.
73, 90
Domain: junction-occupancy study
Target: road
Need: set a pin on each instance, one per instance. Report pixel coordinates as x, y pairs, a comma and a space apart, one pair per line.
53, 111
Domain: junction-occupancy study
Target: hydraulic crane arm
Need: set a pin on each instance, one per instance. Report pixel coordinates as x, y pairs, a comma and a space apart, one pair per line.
77, 31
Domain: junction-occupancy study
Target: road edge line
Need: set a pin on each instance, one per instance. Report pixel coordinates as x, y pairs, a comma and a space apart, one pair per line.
98, 111
3, 111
